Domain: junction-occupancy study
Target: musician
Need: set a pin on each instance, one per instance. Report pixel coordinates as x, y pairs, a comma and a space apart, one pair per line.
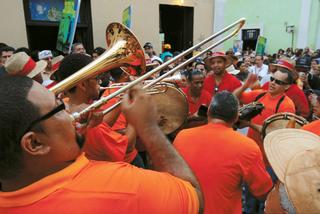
195, 94
294, 92
274, 100
222, 158
102, 143
42, 169
220, 79
314, 126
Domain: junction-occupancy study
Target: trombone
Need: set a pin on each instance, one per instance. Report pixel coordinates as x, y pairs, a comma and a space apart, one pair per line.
239, 23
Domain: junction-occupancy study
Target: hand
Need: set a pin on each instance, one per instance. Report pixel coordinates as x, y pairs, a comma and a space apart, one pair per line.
252, 78
139, 109
88, 120
243, 123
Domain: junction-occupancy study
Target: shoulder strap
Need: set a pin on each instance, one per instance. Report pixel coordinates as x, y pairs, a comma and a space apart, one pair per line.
260, 96
279, 103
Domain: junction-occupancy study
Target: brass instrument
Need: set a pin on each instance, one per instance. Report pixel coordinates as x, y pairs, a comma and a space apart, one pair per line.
103, 100
124, 50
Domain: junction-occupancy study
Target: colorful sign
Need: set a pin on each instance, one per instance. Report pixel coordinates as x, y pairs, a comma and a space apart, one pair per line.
237, 46
68, 24
126, 17
261, 45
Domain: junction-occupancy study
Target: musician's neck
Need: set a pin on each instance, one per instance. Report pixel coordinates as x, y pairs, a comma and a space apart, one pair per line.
216, 121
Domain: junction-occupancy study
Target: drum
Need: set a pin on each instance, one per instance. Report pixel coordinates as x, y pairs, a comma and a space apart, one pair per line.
281, 121
172, 107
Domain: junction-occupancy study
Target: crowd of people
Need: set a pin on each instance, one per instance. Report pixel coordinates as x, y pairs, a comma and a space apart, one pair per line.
121, 162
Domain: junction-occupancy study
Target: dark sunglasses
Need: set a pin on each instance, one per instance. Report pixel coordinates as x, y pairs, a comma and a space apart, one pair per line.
54, 111
278, 82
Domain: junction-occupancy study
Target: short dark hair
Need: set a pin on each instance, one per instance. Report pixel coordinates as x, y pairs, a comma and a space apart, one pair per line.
99, 50
6, 48
17, 112
194, 73
116, 73
74, 45
224, 105
289, 79
70, 65
23, 49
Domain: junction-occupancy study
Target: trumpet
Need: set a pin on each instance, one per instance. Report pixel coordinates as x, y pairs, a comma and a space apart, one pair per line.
121, 44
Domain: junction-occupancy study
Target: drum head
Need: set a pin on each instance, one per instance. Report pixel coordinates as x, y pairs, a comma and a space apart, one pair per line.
172, 107
281, 121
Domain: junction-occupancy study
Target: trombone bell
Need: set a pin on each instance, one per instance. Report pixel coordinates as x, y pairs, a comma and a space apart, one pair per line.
123, 50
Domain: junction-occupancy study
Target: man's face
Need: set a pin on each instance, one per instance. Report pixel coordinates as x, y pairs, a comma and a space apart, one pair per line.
258, 61
59, 133
94, 56
93, 88
243, 67
201, 68
5, 56
278, 83
79, 49
218, 65
49, 63
148, 50
196, 83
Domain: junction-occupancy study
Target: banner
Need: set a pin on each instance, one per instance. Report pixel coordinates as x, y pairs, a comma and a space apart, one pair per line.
68, 24
261, 45
126, 17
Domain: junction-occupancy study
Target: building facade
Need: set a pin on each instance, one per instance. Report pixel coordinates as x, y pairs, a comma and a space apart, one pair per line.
284, 23
148, 21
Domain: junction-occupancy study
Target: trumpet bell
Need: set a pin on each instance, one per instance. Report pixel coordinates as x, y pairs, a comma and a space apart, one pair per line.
123, 49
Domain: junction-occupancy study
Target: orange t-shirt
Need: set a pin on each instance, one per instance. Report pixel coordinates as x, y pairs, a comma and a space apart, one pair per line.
313, 127
270, 104
102, 187
222, 160
204, 99
121, 122
104, 144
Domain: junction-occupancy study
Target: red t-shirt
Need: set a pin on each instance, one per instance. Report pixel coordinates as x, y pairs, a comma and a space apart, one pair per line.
270, 104
222, 159
298, 97
205, 99
313, 127
229, 83
103, 187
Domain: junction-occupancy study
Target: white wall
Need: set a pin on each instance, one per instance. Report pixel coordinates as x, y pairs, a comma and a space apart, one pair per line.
145, 18
12, 22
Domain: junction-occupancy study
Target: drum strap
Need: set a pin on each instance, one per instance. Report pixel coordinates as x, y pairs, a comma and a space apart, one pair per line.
278, 104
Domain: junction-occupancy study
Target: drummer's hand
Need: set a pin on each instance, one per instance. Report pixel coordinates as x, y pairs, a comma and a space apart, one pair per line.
251, 80
243, 124
139, 109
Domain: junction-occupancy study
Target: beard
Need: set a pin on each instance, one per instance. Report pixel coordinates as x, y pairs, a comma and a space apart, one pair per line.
80, 139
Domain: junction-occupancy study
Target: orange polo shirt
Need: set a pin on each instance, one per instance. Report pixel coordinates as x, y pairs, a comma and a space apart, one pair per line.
270, 104
104, 144
102, 187
313, 127
222, 160
204, 99
121, 122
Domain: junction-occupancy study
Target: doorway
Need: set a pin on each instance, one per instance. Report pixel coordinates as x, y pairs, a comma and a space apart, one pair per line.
176, 23
250, 38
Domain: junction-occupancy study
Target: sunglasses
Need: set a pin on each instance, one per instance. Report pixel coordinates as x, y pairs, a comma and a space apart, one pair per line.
278, 82
54, 111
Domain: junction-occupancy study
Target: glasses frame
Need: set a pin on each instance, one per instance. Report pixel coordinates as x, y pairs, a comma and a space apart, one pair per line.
278, 82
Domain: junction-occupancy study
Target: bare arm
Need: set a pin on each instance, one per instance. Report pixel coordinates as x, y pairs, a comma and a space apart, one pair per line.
140, 111
112, 116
